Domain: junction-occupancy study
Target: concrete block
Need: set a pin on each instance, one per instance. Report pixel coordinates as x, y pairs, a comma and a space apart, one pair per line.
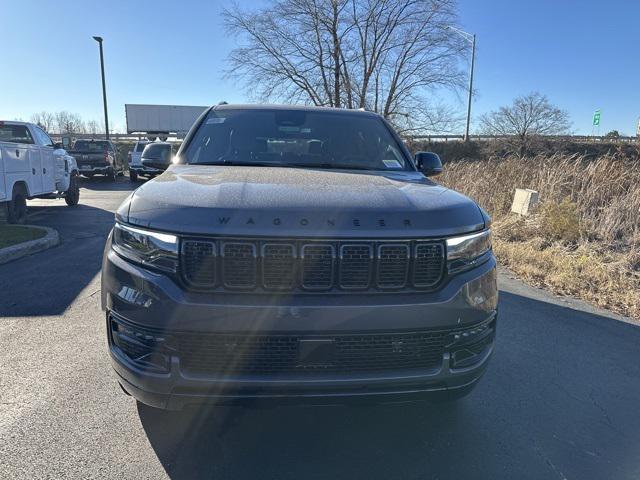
525, 201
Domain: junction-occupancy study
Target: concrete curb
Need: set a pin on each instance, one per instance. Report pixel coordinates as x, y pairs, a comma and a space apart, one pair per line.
51, 239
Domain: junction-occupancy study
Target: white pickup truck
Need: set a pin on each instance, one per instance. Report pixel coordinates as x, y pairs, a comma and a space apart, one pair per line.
32, 166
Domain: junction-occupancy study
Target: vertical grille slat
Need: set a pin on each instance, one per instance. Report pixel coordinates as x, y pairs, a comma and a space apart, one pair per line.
239, 264
278, 265
428, 264
289, 265
393, 265
199, 262
317, 266
355, 266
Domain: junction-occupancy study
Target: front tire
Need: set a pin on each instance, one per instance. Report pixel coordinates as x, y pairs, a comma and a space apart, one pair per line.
72, 196
17, 207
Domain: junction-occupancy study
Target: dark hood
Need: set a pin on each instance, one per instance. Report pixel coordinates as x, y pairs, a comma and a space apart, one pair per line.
265, 201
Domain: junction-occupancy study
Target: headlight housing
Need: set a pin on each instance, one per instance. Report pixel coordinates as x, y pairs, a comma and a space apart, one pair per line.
152, 249
468, 251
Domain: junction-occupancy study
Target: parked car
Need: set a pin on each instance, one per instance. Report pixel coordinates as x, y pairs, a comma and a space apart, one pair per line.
32, 166
97, 157
153, 151
134, 155
298, 255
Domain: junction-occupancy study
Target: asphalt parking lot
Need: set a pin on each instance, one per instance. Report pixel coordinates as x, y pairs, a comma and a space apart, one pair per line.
560, 399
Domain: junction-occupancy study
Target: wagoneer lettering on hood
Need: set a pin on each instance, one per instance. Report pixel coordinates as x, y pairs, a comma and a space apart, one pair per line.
304, 202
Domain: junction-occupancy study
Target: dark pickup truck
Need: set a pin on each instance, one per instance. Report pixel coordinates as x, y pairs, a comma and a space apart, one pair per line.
97, 157
298, 255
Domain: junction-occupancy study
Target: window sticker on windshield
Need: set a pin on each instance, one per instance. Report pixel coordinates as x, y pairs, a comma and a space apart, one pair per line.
392, 163
215, 120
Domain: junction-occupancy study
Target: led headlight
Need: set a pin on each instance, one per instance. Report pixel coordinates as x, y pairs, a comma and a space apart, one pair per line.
153, 249
468, 250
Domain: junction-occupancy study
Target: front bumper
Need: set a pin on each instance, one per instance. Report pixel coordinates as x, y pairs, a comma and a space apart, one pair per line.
152, 307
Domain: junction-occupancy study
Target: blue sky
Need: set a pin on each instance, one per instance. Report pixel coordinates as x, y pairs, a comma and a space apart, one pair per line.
582, 54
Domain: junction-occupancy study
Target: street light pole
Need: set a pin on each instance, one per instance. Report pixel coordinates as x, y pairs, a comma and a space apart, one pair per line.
104, 89
471, 38
473, 61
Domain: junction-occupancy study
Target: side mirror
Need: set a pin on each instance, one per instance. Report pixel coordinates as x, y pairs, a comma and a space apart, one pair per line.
429, 163
159, 163
57, 146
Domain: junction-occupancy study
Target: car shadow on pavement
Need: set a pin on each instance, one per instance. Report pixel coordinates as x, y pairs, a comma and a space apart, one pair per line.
559, 400
103, 183
48, 282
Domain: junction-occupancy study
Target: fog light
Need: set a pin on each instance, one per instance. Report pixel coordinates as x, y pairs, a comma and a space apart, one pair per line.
146, 349
469, 346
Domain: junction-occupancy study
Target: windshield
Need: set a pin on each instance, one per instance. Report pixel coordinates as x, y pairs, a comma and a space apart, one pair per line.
157, 151
296, 138
89, 146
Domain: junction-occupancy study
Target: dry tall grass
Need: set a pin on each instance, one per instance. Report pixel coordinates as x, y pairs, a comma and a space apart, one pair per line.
584, 239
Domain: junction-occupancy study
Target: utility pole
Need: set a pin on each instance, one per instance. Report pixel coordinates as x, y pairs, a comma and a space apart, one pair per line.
104, 89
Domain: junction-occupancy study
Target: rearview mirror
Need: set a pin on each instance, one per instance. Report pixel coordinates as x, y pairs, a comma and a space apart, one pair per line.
429, 163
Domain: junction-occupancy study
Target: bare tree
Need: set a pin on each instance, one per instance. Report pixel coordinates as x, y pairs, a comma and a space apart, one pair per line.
46, 120
92, 127
69, 122
527, 117
382, 55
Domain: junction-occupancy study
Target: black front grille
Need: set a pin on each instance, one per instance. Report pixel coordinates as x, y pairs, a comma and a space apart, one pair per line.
221, 354
427, 264
393, 265
278, 265
239, 265
279, 354
355, 266
199, 262
317, 266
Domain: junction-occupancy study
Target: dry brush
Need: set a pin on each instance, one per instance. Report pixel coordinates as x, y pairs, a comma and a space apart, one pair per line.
584, 239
